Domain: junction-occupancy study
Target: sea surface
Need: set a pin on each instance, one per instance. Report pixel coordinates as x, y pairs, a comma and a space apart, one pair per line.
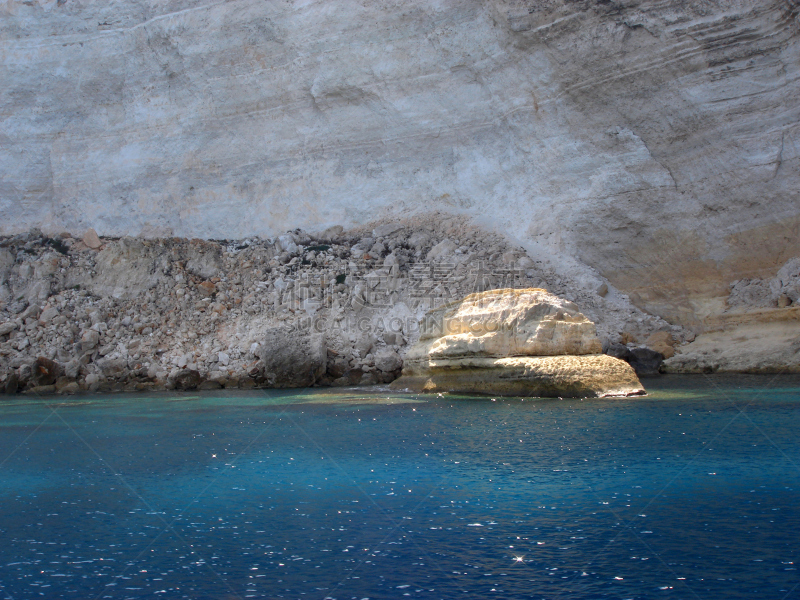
690, 492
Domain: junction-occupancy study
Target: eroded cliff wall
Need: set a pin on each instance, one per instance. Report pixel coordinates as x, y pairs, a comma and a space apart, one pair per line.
652, 144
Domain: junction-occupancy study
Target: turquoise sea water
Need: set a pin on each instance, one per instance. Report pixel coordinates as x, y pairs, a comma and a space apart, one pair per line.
691, 492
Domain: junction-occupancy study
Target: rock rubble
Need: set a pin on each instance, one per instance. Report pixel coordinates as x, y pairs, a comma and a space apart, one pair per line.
333, 308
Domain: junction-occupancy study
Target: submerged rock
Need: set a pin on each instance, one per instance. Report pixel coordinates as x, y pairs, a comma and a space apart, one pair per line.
514, 342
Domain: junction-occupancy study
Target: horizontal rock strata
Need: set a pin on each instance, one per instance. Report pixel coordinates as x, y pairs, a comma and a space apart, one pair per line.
513, 342
771, 347
596, 375
506, 323
651, 145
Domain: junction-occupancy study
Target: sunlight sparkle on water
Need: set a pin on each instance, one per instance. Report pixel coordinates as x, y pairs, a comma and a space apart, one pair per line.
320, 471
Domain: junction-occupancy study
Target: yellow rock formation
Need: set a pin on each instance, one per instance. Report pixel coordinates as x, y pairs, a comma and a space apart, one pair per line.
513, 342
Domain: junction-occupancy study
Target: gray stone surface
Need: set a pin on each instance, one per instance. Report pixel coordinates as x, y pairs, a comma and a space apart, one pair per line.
45, 371
388, 361
293, 358
650, 143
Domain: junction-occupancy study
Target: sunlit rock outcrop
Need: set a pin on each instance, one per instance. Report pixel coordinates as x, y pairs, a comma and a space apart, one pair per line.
513, 342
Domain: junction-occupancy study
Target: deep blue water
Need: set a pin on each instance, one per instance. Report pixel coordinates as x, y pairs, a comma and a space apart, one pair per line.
691, 492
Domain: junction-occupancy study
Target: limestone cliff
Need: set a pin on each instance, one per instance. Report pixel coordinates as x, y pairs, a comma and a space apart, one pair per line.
648, 145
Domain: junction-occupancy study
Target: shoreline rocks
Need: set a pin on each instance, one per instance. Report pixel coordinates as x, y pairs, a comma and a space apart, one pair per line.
755, 347
514, 342
140, 314
644, 360
594, 375
292, 358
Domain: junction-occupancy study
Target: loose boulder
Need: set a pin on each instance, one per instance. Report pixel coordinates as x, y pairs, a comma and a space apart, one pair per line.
293, 357
513, 342
11, 385
7, 327
388, 361
91, 239
185, 379
45, 371
89, 340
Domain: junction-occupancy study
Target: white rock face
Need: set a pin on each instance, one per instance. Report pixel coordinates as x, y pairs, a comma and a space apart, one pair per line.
651, 143
513, 342
505, 322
